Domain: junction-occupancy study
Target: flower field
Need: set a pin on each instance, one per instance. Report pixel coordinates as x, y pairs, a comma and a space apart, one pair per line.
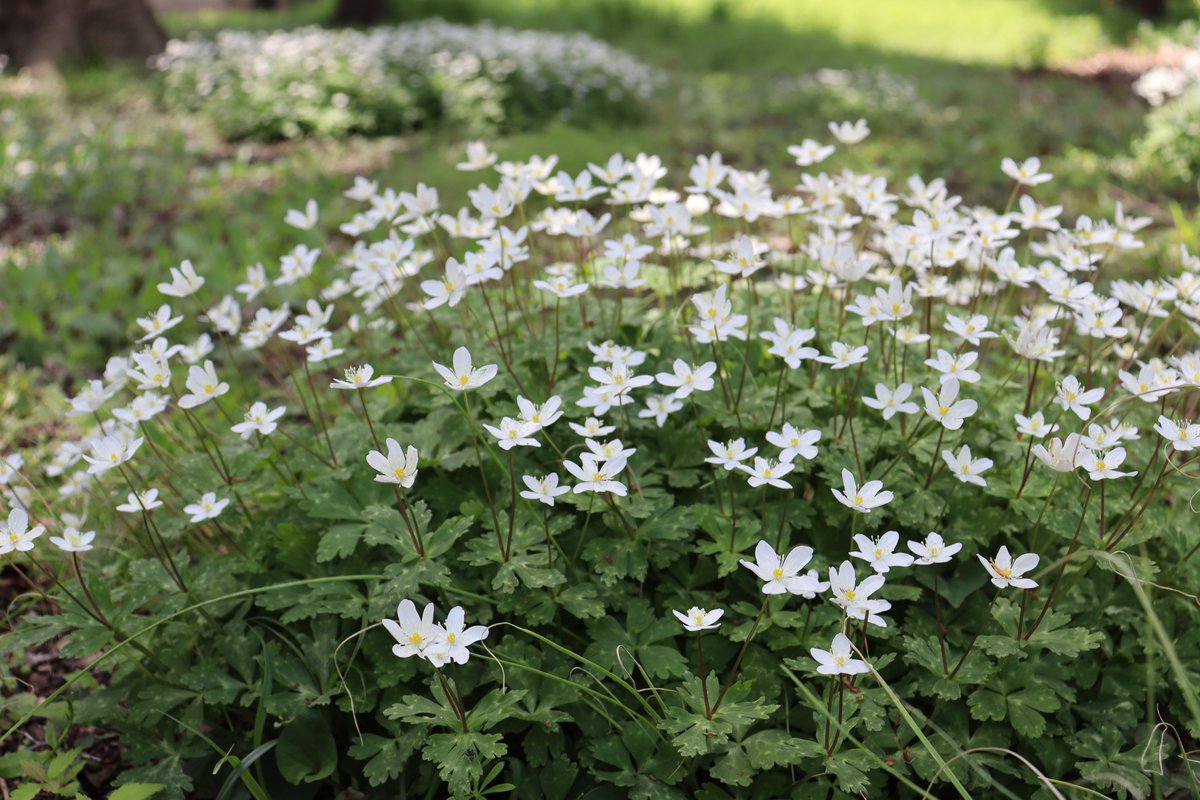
472, 467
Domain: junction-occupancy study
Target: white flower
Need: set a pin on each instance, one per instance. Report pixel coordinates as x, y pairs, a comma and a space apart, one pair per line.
970, 330
15, 534
850, 132
540, 416
203, 384
843, 355
138, 502
848, 591
698, 619
465, 376
544, 489
1034, 425
10, 465
592, 428
362, 190
1028, 172
745, 260
453, 640
259, 419
943, 408
110, 451
934, 549
1182, 437
597, 475
1103, 466
730, 454
209, 507
184, 281
686, 378
891, 402
450, 289
810, 152
561, 286
90, 399
880, 553
768, 472
360, 378
478, 157
790, 343
1060, 455
256, 282
72, 541
866, 499
297, 265
951, 366
1007, 571
513, 433
413, 634
398, 466
839, 658
659, 407
304, 220
1070, 394
782, 575
323, 350
158, 322
795, 442
966, 468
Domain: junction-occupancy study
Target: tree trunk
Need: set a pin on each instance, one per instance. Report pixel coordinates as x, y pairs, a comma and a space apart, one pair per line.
1147, 9
358, 12
42, 33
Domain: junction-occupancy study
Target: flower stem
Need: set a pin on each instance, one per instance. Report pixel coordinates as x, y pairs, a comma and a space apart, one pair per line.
741, 654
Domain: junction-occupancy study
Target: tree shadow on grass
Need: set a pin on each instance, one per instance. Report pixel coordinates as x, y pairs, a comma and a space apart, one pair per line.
749, 85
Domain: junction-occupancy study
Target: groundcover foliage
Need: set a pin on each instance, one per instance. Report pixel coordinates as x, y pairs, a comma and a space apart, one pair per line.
611, 485
473, 79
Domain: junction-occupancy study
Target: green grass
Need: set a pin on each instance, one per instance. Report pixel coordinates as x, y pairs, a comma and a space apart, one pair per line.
755, 33
143, 189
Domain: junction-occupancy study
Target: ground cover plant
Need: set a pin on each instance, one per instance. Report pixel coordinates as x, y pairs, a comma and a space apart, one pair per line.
627, 482
483, 78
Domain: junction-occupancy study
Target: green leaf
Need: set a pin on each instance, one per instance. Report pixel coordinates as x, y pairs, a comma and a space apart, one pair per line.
776, 748
307, 751
851, 767
1068, 642
385, 756
733, 768
136, 791
339, 541
460, 757
986, 704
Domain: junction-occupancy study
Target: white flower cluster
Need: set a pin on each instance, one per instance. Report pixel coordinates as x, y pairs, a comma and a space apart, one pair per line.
377, 81
1158, 85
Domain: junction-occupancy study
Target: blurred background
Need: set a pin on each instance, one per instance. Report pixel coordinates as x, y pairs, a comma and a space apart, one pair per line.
137, 133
